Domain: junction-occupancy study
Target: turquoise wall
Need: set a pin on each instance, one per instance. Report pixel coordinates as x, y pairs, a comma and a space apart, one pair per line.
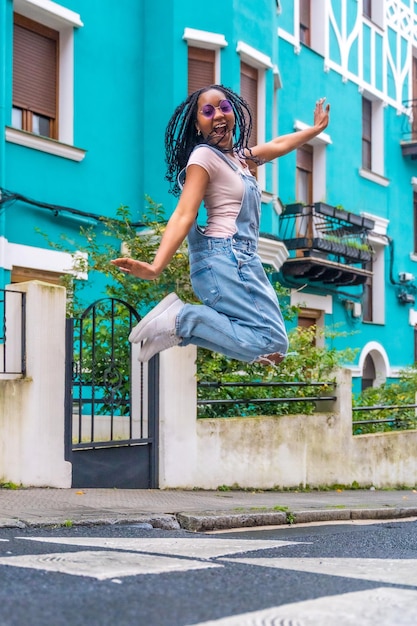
130, 74
304, 80
108, 120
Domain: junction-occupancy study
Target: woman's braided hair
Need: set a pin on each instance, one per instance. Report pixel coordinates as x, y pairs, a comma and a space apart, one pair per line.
181, 134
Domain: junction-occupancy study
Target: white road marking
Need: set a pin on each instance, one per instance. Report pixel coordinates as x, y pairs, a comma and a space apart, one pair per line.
198, 547
382, 606
295, 527
105, 564
394, 571
130, 557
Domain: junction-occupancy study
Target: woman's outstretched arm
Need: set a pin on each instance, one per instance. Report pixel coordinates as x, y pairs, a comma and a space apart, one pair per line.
286, 143
176, 230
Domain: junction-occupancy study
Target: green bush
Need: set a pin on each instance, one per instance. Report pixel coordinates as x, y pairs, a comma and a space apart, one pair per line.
389, 394
306, 363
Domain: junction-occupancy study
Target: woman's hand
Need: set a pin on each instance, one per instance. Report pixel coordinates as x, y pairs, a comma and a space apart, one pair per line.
140, 269
321, 114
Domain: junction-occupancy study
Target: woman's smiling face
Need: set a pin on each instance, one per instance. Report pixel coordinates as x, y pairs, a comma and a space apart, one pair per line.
216, 130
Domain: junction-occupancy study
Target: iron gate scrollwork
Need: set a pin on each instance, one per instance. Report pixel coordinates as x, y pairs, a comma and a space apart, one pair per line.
112, 401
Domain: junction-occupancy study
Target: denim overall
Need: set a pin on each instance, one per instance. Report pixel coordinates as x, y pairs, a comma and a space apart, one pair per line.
239, 315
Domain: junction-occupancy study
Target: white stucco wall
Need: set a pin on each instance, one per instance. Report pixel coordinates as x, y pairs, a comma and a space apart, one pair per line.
274, 452
32, 409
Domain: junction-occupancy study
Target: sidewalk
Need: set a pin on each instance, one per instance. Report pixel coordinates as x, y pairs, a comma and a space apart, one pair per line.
198, 510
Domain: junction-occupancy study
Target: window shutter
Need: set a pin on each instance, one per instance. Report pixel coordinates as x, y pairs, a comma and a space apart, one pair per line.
305, 21
305, 158
249, 92
35, 51
366, 133
200, 68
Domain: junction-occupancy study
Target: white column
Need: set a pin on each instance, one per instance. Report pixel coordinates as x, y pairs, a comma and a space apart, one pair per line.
178, 417
32, 408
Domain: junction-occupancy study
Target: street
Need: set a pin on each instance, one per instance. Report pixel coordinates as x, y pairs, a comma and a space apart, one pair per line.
344, 574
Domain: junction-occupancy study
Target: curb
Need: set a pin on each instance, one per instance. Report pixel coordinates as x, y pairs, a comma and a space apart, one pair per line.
202, 522
221, 520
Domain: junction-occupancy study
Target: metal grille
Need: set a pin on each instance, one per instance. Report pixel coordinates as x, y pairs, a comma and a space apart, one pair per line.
12, 332
111, 402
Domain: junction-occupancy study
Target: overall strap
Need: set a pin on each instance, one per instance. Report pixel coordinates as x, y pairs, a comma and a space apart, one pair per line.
181, 175
220, 154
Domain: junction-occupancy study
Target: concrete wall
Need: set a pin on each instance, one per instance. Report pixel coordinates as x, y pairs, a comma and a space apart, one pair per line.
266, 451
261, 452
32, 408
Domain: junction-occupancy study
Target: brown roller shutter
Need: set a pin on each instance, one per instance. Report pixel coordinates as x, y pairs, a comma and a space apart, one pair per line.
249, 92
305, 158
35, 54
200, 68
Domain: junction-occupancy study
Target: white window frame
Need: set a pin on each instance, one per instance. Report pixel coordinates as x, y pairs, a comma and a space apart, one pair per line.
34, 258
378, 15
262, 62
413, 255
377, 239
377, 152
207, 41
319, 145
54, 15
319, 27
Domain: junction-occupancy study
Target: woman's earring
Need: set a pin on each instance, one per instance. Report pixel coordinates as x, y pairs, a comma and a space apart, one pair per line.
199, 132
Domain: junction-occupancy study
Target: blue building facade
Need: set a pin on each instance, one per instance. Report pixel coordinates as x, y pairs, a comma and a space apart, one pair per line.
339, 217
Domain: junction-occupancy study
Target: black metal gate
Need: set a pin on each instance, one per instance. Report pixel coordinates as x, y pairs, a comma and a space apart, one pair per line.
111, 401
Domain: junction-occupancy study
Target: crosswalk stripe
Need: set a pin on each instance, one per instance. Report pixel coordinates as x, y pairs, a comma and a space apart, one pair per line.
393, 571
382, 606
103, 565
204, 548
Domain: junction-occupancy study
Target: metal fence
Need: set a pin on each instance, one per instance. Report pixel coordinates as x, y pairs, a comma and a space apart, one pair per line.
226, 401
12, 332
390, 418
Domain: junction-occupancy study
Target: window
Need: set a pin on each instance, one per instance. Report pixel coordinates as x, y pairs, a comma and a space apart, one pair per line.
249, 92
367, 8
24, 274
305, 22
368, 373
253, 67
304, 177
203, 57
366, 134
373, 10
35, 77
43, 78
415, 344
307, 321
367, 299
373, 295
415, 221
201, 68
313, 320
373, 140
414, 120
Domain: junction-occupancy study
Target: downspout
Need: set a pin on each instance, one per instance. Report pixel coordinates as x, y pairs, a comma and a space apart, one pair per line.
3, 71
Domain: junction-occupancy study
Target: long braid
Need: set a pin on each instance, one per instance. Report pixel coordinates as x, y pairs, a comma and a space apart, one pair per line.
181, 134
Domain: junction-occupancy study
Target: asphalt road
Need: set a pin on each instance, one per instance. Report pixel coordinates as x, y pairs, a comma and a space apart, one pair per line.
341, 574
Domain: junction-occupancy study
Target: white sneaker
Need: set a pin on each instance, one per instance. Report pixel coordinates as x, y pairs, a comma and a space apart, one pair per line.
157, 344
160, 320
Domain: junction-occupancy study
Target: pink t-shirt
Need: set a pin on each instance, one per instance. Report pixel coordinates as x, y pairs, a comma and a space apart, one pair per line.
224, 191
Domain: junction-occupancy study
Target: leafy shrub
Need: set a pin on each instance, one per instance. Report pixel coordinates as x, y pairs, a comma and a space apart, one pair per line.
305, 363
395, 396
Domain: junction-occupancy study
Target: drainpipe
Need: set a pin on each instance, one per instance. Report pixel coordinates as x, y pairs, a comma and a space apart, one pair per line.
3, 43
